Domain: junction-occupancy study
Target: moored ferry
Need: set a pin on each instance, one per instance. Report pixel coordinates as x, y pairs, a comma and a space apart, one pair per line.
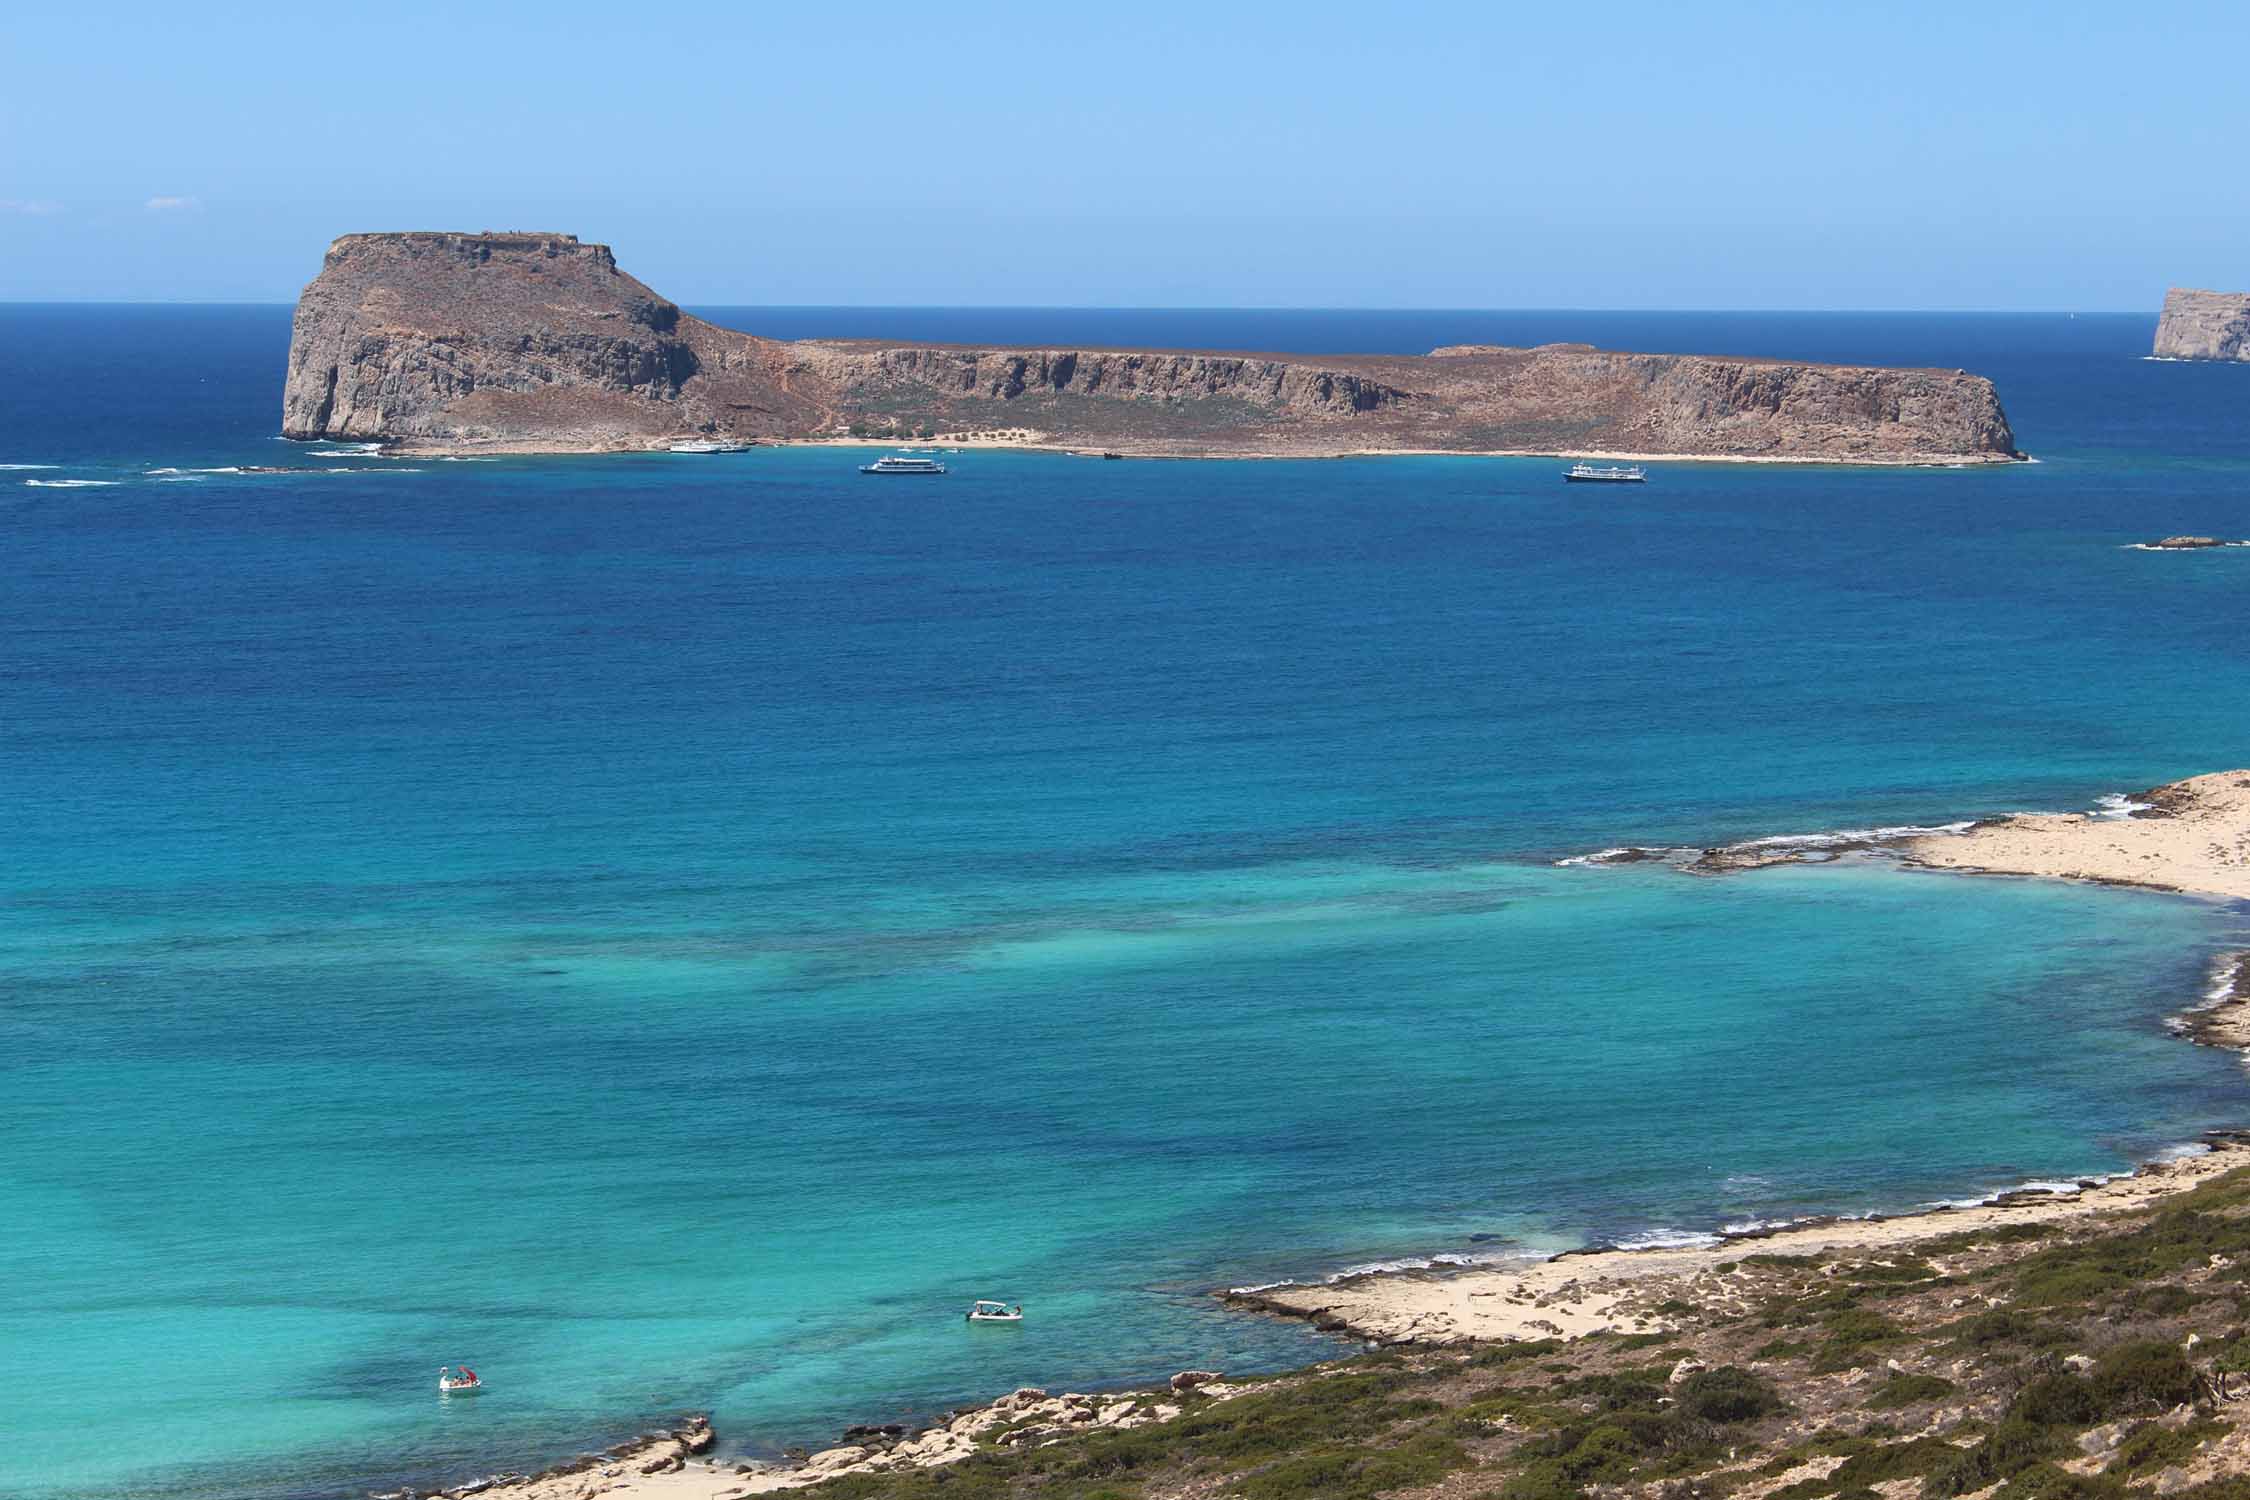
893, 463
712, 445
1605, 474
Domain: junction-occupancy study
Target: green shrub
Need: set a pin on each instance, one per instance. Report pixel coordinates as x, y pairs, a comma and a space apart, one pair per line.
1346, 1473
2052, 1400
2003, 1325
2146, 1375
2164, 1300
2150, 1447
2009, 1449
2043, 1481
1729, 1393
1859, 1325
1643, 1340
1505, 1354
1866, 1466
1907, 1390
2064, 1286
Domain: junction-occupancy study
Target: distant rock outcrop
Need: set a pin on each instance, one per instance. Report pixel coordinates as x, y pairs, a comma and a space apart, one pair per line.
2204, 325
536, 342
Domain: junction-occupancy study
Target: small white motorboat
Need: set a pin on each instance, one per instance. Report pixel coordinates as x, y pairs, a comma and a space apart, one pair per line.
464, 1383
996, 1312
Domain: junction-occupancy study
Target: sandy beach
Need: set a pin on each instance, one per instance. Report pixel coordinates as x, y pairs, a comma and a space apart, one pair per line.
2191, 836
1583, 1292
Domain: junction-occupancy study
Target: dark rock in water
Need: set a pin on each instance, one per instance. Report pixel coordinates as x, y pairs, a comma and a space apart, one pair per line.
537, 342
2182, 543
874, 1430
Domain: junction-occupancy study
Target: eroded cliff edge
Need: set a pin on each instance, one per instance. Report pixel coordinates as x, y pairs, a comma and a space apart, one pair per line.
537, 342
2203, 325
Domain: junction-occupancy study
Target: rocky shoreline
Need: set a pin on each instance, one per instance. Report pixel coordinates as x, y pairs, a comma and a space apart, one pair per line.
673, 1464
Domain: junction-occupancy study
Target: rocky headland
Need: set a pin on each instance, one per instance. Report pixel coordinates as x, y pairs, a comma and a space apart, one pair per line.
522, 342
2203, 325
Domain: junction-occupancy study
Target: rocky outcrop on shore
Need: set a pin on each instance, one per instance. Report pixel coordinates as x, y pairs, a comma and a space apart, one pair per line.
538, 342
671, 1465
2203, 325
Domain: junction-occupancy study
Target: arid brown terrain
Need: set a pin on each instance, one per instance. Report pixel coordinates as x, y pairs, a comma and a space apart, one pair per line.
539, 343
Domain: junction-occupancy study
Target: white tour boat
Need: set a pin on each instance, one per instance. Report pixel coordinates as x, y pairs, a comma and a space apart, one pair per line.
712, 445
1605, 474
897, 464
996, 1312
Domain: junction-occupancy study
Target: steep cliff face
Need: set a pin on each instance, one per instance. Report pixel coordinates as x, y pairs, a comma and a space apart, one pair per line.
509, 339
1273, 385
539, 342
2204, 325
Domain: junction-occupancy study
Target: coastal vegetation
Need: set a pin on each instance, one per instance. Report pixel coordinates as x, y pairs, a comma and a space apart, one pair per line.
2092, 1360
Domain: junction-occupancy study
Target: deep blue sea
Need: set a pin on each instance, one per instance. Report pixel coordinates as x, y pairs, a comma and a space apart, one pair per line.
670, 931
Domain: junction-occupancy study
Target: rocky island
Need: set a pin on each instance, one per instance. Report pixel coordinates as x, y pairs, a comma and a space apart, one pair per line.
2203, 325
520, 342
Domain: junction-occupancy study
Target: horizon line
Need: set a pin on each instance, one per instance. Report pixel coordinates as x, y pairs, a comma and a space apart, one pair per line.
1168, 307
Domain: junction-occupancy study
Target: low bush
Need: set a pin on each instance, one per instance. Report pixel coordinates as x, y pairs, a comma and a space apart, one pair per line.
2057, 1400
2009, 1449
1345, 1473
2143, 1376
1507, 1354
1864, 1467
1728, 1394
2149, 1447
2043, 1481
1907, 1390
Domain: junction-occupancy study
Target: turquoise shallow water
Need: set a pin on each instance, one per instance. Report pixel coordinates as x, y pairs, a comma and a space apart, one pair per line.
669, 932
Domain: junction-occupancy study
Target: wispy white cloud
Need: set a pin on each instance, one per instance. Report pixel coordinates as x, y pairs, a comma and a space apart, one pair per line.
37, 208
168, 204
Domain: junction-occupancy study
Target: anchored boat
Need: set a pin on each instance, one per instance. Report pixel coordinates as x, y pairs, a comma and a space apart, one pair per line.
894, 463
1605, 474
712, 445
463, 1384
996, 1312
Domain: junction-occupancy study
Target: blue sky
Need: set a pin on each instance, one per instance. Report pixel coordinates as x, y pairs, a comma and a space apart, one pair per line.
1806, 155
